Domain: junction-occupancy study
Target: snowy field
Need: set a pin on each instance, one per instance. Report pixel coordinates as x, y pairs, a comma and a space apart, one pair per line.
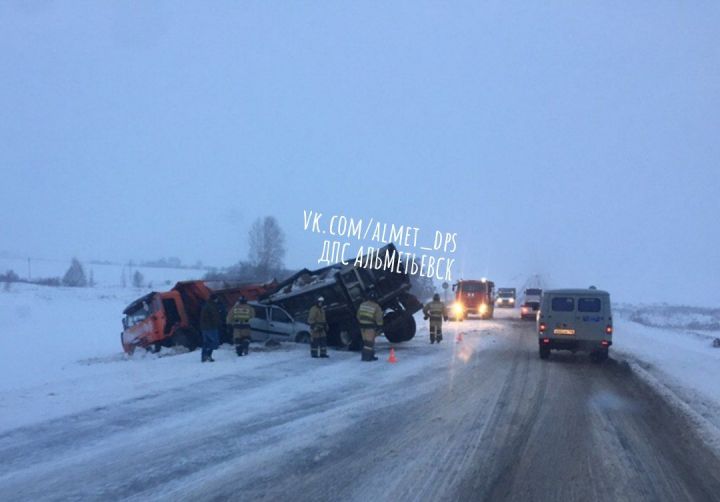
62, 355
157, 278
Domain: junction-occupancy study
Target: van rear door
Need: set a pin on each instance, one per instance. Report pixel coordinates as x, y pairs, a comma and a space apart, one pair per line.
593, 315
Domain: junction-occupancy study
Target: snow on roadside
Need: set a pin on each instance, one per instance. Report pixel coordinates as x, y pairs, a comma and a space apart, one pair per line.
62, 355
683, 366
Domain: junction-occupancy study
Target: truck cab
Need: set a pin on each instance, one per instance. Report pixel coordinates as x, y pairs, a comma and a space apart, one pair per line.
472, 297
151, 319
505, 298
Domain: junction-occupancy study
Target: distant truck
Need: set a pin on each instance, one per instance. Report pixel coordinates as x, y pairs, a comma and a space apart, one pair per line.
505, 298
344, 288
472, 297
531, 303
172, 318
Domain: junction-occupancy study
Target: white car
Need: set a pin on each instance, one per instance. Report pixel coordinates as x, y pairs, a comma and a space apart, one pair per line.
274, 323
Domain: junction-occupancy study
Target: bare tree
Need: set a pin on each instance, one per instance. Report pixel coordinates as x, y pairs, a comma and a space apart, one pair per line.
75, 275
138, 279
267, 246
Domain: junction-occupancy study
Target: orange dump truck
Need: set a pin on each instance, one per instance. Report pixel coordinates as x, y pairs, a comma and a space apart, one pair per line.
173, 317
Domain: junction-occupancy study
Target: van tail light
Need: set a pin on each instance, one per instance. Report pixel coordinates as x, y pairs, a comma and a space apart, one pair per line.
542, 327
546, 340
604, 343
608, 329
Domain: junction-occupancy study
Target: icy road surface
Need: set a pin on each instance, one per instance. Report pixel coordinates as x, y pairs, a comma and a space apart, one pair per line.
484, 419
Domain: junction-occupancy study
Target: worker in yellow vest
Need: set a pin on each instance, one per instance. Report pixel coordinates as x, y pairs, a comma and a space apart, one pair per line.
239, 318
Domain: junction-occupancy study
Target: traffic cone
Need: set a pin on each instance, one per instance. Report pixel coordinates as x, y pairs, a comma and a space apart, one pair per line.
459, 338
392, 358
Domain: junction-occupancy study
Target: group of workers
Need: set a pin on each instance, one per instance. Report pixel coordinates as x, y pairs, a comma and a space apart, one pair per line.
369, 316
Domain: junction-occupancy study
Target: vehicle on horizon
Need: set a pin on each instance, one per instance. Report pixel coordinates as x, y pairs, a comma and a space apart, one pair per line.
505, 298
531, 303
472, 297
575, 319
172, 318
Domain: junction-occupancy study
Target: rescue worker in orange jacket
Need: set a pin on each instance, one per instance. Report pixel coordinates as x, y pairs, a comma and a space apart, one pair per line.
370, 317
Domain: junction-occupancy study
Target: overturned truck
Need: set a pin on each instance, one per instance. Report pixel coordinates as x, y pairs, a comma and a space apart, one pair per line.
344, 288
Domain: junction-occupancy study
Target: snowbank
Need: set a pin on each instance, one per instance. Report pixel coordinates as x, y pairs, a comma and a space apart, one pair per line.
683, 362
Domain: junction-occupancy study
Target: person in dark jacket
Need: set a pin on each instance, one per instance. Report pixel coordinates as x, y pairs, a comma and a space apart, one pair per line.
210, 326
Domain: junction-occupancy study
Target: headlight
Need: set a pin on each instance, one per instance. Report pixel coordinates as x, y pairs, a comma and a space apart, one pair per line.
483, 308
457, 308
512, 300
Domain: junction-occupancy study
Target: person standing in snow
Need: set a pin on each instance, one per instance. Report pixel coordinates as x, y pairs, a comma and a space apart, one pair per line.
435, 311
239, 318
318, 329
370, 317
210, 325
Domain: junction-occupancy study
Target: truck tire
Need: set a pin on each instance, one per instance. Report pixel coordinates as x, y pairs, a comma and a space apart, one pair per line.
410, 328
394, 327
544, 352
345, 336
399, 327
185, 338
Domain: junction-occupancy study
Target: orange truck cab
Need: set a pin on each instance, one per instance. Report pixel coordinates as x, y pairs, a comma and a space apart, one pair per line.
173, 317
473, 298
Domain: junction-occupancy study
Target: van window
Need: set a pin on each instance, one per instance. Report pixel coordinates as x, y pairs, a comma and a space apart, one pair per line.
260, 313
563, 304
589, 304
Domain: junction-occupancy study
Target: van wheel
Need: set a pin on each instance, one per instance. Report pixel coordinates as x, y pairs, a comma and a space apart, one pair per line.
544, 352
599, 356
302, 337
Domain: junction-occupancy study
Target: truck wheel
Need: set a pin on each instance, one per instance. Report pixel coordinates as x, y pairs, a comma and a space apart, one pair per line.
185, 338
394, 327
410, 328
345, 337
544, 352
599, 356
302, 337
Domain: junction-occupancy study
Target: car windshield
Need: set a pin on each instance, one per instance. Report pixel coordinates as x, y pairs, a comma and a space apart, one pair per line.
533, 292
473, 287
138, 314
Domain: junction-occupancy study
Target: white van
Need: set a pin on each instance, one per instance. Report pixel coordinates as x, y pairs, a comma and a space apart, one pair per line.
575, 319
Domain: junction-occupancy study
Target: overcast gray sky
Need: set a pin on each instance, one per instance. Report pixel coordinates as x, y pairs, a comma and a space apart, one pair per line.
578, 141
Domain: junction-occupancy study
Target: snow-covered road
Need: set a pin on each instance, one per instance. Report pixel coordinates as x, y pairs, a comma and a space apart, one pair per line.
483, 419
